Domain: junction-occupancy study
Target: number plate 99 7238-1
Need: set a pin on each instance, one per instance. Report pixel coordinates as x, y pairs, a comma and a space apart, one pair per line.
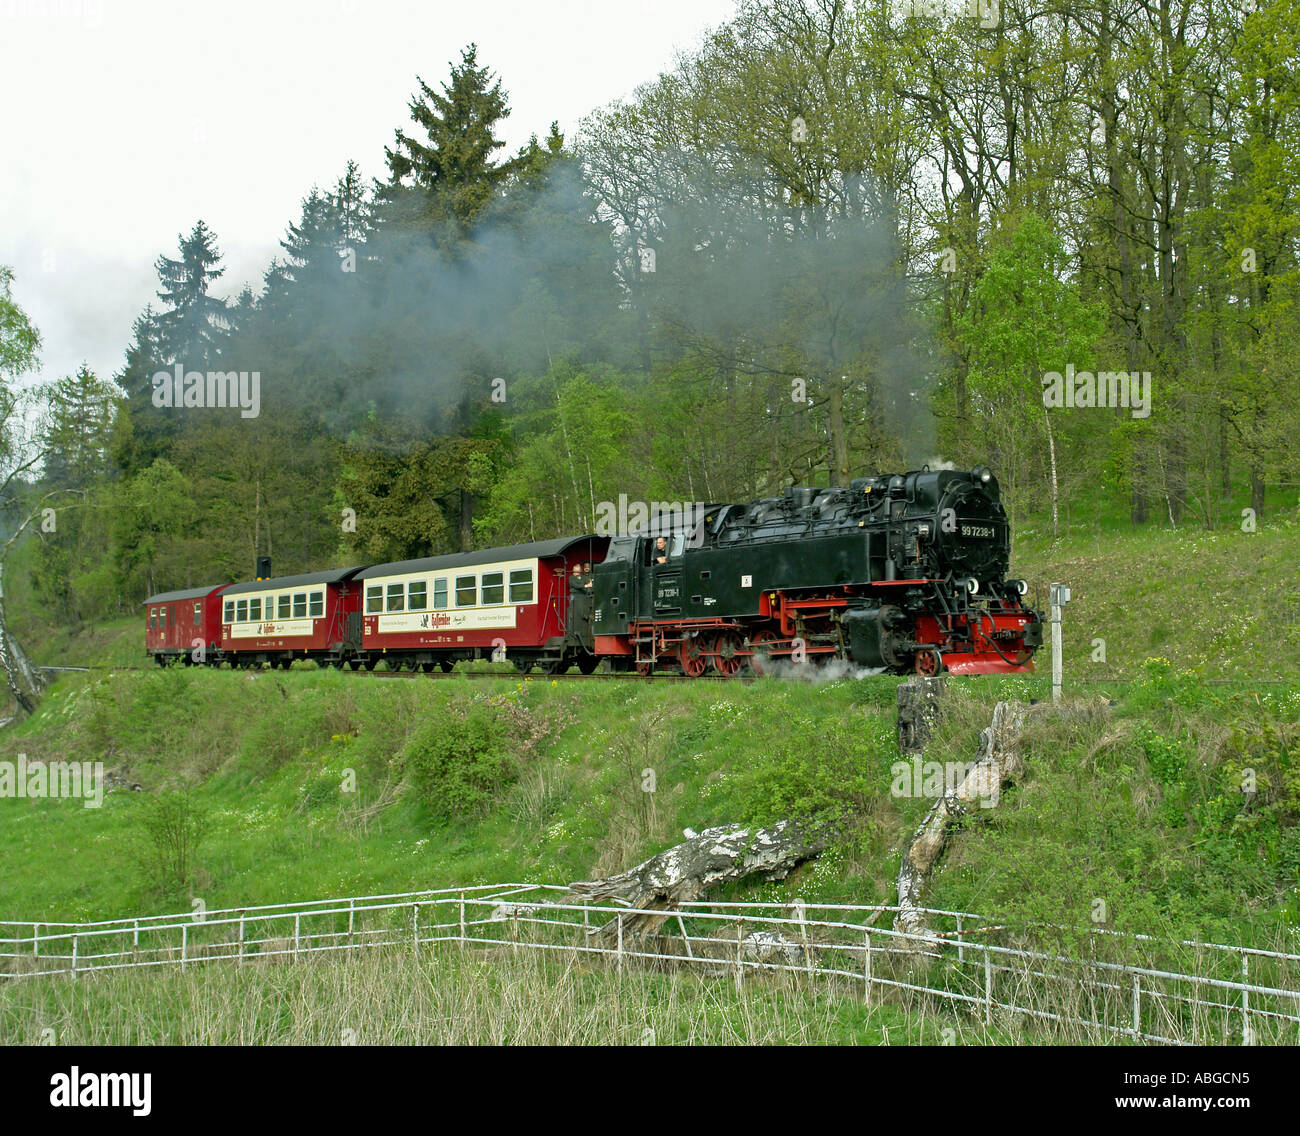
984, 531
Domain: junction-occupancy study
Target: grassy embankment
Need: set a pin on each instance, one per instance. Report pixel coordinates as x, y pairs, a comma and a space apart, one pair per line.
1139, 804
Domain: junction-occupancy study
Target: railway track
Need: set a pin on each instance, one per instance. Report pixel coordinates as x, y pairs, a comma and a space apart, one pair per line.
436, 676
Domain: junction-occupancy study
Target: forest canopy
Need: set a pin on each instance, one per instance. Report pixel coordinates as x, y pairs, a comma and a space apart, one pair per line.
836, 238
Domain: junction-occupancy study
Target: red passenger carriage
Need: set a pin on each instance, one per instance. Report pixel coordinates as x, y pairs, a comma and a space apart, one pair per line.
183, 625
509, 603
314, 615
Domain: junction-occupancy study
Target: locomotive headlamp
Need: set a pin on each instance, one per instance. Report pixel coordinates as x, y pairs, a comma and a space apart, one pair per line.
971, 584
983, 473
1021, 586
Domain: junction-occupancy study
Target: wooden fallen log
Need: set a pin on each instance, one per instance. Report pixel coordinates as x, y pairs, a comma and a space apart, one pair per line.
687, 870
998, 761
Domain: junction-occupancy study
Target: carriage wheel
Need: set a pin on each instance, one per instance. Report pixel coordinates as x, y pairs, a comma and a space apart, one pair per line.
644, 667
723, 649
522, 665
692, 659
369, 664
355, 664
427, 667
762, 644
446, 665
928, 661
587, 664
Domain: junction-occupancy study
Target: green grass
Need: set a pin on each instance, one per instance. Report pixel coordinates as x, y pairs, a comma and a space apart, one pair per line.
448, 997
314, 783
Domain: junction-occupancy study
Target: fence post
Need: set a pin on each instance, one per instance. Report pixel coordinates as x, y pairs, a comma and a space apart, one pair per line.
36, 940
1246, 1035
988, 988
352, 920
620, 944
135, 937
799, 913
740, 973
241, 936
74, 956
961, 950
514, 931
866, 968
185, 938
1137, 1006
462, 919
297, 928
415, 927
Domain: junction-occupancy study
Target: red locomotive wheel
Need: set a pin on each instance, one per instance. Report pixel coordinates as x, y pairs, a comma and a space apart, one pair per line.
723, 649
692, 659
644, 667
928, 661
762, 644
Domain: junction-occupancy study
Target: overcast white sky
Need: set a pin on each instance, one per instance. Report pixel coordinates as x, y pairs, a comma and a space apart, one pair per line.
125, 121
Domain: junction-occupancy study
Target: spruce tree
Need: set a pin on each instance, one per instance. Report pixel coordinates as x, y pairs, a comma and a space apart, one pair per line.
193, 325
441, 184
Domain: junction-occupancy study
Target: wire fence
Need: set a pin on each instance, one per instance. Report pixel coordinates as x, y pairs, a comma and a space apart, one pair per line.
1076, 983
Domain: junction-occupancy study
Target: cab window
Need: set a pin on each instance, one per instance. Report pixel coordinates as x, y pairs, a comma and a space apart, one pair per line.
198, 614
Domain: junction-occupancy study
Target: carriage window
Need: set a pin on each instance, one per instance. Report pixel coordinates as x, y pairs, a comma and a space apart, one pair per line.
241, 611
521, 586
300, 605
268, 607
255, 608
229, 615
285, 605
316, 605
153, 617
466, 591
439, 594
198, 614
374, 598
416, 593
494, 588
396, 597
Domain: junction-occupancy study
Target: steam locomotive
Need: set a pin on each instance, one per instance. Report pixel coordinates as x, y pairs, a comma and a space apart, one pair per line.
899, 573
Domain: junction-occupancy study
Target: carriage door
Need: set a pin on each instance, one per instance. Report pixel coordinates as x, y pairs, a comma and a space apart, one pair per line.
666, 578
